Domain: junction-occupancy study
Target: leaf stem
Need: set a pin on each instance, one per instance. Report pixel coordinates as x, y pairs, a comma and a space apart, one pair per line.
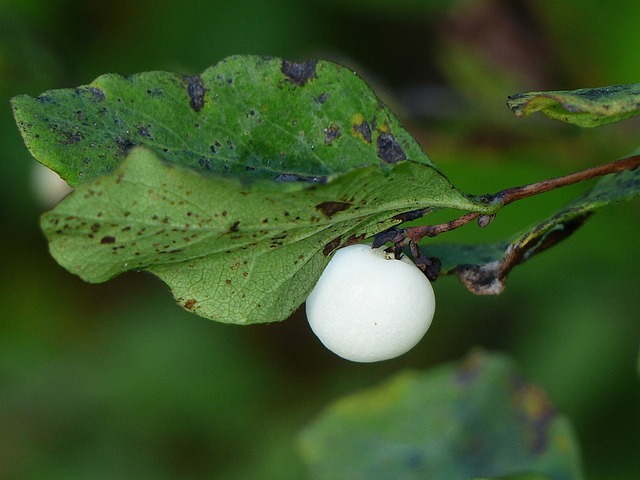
510, 195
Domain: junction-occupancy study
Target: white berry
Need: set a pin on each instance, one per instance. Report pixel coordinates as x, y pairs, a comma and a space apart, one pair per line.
368, 307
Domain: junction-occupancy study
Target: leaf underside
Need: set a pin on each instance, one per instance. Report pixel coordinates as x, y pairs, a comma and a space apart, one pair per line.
287, 162
478, 418
484, 268
230, 251
586, 107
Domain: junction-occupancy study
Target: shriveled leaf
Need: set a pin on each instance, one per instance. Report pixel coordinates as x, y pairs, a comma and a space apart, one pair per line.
484, 269
478, 418
585, 107
247, 116
232, 251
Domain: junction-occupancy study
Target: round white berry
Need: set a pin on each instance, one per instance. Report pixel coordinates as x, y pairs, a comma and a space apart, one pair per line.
368, 306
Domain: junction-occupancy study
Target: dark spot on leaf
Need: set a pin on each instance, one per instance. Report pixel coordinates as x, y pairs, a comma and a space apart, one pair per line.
331, 208
108, 239
392, 235
294, 177
46, 99
596, 93
389, 150
144, 131
205, 163
484, 279
412, 215
299, 73
331, 133
72, 137
322, 98
234, 227
363, 130
190, 304
196, 92
332, 245
124, 145
353, 239
98, 94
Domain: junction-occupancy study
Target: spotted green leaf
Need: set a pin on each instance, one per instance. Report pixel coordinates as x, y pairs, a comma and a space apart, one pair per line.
248, 116
585, 107
484, 268
477, 418
232, 251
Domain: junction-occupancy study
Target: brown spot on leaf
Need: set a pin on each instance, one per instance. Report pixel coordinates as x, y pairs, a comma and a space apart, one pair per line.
363, 130
108, 239
299, 73
389, 150
353, 239
332, 133
190, 304
332, 245
484, 279
331, 208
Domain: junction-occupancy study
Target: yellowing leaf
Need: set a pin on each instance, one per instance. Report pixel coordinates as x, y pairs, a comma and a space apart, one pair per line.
585, 107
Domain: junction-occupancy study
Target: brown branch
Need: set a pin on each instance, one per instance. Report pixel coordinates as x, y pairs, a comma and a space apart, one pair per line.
418, 233
510, 195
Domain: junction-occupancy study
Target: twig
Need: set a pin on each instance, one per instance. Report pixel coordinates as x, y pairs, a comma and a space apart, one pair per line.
510, 195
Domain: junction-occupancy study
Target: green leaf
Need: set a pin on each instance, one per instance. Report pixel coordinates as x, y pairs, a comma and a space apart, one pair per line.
479, 418
232, 251
247, 116
586, 107
484, 268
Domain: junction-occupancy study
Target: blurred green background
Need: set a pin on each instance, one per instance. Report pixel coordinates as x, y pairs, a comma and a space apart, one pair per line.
116, 381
